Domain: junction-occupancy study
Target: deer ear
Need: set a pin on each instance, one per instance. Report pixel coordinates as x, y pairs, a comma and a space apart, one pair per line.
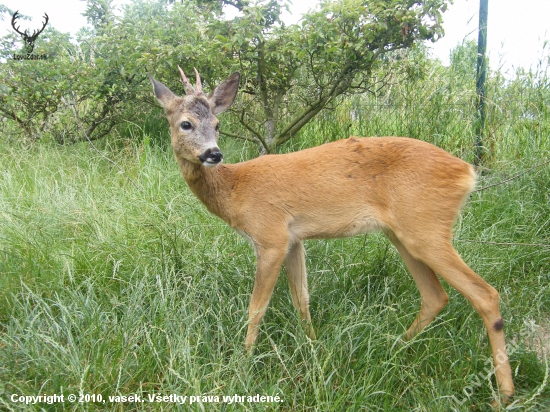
163, 93
222, 97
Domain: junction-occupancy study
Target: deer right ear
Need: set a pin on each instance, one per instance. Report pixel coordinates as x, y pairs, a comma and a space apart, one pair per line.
163, 93
222, 97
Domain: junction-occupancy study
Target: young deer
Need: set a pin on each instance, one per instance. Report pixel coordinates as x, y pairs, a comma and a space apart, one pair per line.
409, 189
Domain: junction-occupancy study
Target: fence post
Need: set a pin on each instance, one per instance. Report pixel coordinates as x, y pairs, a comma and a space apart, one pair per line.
481, 75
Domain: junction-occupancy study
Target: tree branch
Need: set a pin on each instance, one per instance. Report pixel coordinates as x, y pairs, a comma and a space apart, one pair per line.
299, 124
261, 75
20, 122
254, 132
298, 118
304, 117
236, 136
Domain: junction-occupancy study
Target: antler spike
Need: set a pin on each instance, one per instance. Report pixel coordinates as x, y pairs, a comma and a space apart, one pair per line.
184, 79
188, 88
198, 85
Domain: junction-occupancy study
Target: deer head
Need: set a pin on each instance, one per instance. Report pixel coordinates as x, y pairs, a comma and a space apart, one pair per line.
193, 124
28, 39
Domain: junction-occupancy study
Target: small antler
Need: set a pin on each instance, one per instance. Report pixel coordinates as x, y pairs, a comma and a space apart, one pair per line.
189, 89
199, 85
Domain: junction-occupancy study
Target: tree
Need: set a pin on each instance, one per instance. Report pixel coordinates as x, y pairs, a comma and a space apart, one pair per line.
81, 90
31, 91
291, 73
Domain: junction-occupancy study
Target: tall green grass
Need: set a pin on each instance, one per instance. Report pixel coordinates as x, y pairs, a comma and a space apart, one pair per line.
112, 289
115, 280
439, 105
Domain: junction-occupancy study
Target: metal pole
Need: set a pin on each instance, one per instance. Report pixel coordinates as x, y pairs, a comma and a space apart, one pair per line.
481, 75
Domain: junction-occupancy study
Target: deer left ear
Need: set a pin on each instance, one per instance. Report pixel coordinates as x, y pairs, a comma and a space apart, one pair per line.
164, 94
222, 97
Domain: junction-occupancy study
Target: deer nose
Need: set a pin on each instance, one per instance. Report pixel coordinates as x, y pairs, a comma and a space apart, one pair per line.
211, 157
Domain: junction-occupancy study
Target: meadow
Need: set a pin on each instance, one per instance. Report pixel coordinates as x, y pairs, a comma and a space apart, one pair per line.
116, 281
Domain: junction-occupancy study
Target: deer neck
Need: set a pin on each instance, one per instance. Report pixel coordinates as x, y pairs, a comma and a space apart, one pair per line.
211, 185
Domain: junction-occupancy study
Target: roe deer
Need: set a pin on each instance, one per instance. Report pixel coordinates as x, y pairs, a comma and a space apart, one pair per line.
409, 189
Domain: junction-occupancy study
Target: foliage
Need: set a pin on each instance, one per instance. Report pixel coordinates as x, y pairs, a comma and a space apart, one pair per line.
80, 91
290, 73
438, 104
99, 13
32, 90
4, 9
90, 85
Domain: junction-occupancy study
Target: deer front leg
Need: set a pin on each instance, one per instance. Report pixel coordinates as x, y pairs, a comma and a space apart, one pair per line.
267, 271
295, 264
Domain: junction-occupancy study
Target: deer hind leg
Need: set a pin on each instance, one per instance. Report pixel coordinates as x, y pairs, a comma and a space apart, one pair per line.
296, 270
268, 265
434, 297
445, 261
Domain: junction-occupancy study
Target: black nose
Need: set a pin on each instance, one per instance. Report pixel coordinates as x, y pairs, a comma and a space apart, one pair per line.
211, 156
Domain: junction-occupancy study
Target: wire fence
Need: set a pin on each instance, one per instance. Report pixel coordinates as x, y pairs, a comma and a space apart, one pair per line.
517, 123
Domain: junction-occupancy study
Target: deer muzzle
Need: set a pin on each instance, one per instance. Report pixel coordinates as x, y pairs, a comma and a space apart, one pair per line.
211, 157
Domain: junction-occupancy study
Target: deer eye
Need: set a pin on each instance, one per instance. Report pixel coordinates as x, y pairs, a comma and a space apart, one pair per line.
217, 127
185, 126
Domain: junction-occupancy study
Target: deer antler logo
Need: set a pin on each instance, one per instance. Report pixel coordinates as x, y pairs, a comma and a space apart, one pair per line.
28, 39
